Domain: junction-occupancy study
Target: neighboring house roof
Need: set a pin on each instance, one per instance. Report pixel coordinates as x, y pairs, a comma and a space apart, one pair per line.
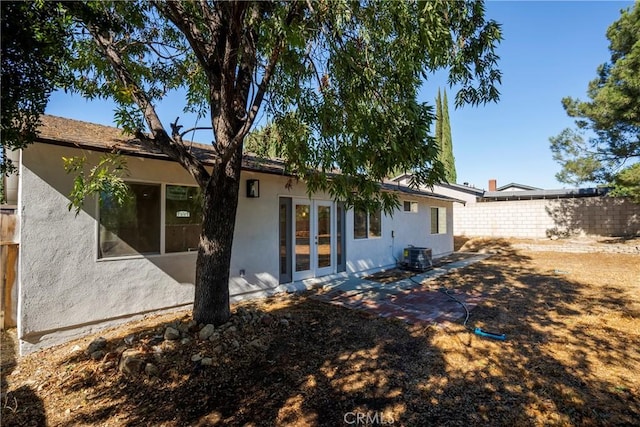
519, 187
75, 133
394, 186
463, 188
524, 192
458, 187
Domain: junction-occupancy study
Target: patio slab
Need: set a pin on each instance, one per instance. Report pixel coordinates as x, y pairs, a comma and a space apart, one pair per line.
408, 299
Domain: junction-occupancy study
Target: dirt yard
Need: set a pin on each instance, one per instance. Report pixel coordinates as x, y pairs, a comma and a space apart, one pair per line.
571, 357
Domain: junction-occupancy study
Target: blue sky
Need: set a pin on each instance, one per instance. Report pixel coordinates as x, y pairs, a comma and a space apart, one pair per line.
550, 50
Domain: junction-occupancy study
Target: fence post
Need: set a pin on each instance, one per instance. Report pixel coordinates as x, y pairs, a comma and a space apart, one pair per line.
8, 267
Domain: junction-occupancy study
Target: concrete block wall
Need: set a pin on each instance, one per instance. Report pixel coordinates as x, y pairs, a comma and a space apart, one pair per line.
603, 216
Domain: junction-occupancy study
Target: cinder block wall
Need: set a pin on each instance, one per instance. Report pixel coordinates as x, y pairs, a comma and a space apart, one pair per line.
603, 216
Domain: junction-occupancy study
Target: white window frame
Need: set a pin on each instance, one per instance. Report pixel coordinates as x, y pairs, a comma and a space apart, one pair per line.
163, 195
413, 206
440, 220
368, 226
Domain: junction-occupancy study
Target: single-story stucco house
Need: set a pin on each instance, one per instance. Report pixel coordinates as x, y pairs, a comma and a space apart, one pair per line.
77, 274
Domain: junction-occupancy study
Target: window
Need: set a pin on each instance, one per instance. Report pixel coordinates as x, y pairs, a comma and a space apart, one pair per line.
367, 225
134, 227
183, 223
409, 206
438, 220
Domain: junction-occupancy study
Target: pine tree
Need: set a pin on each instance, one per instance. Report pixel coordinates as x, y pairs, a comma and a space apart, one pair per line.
443, 137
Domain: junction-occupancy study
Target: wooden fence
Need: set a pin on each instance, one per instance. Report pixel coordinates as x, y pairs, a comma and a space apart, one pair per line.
8, 267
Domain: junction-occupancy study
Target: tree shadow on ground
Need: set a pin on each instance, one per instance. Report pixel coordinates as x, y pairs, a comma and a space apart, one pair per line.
561, 363
20, 407
327, 363
297, 361
24, 408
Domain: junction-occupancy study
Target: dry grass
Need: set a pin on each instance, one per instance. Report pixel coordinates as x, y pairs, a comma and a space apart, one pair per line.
571, 358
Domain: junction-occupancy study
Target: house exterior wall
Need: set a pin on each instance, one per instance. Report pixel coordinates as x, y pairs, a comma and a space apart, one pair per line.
399, 231
603, 216
65, 290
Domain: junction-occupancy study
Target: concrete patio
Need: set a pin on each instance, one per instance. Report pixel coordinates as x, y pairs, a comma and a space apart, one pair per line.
413, 300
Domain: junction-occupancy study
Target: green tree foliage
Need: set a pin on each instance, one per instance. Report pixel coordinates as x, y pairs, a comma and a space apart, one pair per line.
105, 177
605, 145
627, 182
34, 42
443, 138
438, 133
337, 80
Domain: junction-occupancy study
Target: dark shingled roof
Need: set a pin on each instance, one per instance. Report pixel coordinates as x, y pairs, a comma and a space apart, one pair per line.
75, 133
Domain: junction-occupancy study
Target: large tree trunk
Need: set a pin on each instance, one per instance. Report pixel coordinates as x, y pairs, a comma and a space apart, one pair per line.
211, 303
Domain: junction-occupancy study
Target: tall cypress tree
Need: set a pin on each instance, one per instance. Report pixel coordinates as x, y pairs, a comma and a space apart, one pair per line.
439, 124
443, 136
447, 142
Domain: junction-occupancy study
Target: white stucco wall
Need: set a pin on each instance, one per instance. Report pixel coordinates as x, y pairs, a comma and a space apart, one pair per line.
63, 286
65, 290
399, 231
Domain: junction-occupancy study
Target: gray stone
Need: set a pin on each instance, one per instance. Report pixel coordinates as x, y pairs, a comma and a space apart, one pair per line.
214, 337
206, 361
225, 325
196, 357
131, 362
95, 345
206, 332
97, 355
234, 343
171, 334
130, 365
284, 322
185, 340
231, 330
129, 339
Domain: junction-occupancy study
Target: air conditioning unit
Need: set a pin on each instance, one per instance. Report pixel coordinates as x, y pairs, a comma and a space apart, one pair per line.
416, 258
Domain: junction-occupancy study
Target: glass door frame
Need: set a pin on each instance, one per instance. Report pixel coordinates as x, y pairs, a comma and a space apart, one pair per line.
318, 239
298, 240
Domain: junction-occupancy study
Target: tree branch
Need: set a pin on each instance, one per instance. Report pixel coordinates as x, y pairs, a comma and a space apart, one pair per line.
160, 140
262, 88
202, 46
